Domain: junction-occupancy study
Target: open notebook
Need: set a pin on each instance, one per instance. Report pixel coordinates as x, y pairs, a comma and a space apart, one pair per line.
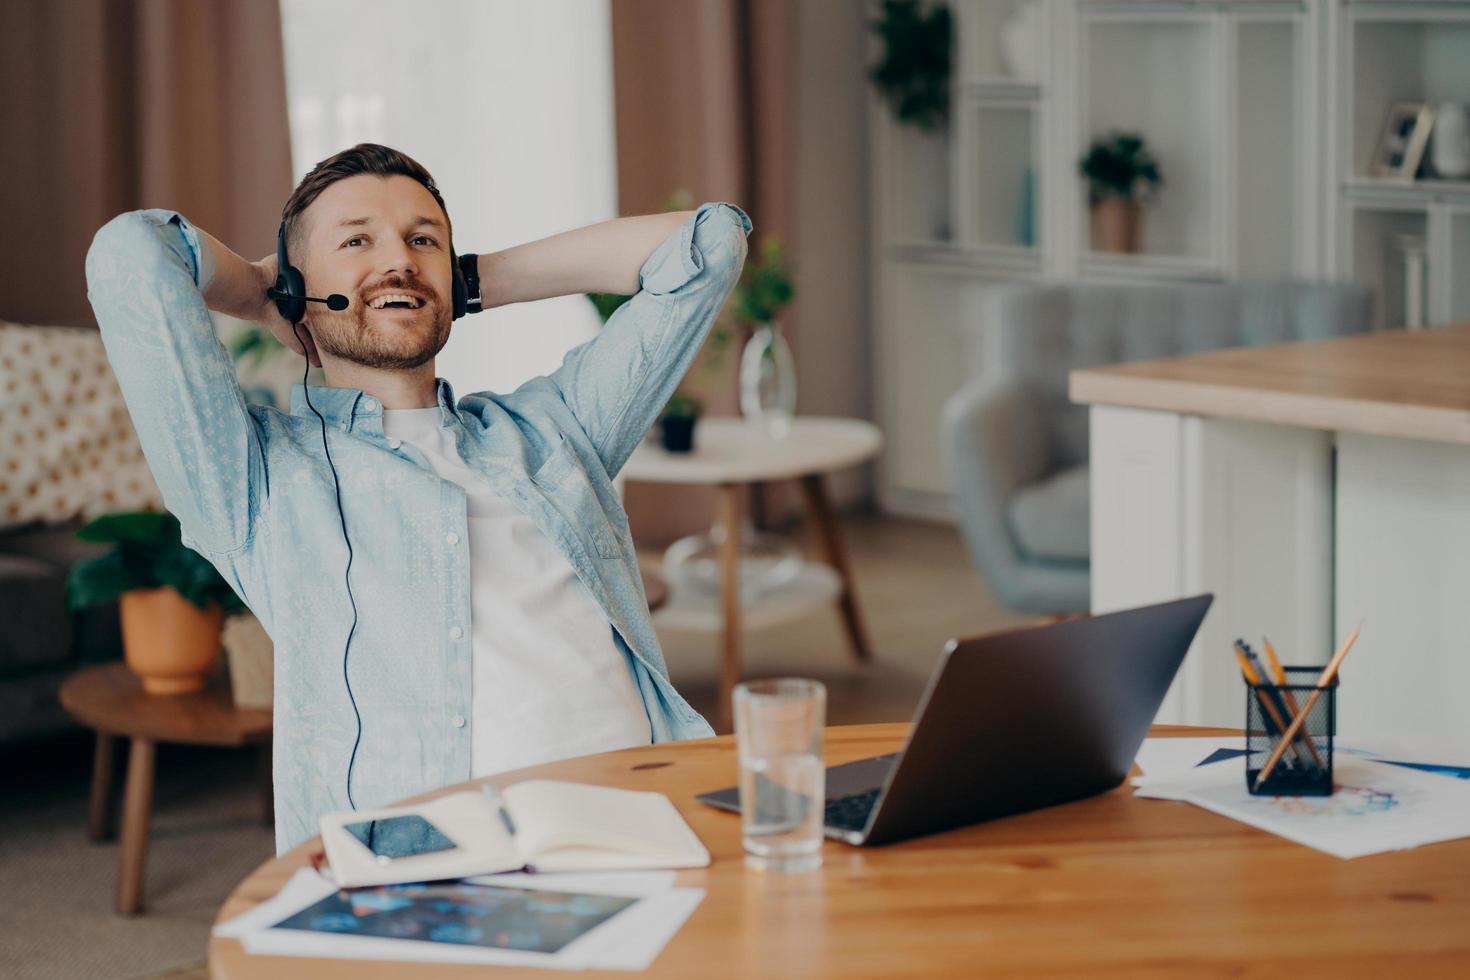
536, 825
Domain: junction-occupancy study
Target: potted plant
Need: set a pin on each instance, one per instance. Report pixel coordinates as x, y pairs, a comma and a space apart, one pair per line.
1121, 173
918, 55
676, 422
171, 601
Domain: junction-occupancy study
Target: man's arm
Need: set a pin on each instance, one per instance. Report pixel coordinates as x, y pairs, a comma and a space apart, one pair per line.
684, 265
148, 275
600, 258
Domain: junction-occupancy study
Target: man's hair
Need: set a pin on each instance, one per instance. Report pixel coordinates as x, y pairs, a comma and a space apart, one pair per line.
364, 158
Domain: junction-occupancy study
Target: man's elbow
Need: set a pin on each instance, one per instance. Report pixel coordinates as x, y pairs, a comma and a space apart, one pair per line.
118, 246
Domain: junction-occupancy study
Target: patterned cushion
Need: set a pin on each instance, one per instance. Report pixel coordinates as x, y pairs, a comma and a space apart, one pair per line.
69, 448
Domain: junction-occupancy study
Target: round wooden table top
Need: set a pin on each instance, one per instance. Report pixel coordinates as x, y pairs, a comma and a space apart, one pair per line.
1112, 886
733, 450
110, 699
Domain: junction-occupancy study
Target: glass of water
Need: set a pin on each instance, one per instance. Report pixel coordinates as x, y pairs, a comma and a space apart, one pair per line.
778, 731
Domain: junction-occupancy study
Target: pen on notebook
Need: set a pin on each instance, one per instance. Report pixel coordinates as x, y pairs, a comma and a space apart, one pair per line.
1290, 697
1329, 674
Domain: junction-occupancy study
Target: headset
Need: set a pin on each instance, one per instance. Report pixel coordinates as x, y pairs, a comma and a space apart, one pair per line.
289, 293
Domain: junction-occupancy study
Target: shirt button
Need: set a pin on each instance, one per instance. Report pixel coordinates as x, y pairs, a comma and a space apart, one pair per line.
394, 443
452, 538
370, 404
457, 721
344, 426
456, 633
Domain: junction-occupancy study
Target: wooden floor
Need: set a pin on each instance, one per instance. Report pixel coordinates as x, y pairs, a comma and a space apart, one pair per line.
917, 589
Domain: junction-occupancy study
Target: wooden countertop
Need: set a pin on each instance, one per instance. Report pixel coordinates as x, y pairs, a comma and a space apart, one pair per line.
1409, 384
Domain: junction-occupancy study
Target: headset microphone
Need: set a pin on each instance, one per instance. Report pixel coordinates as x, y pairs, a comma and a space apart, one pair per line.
336, 301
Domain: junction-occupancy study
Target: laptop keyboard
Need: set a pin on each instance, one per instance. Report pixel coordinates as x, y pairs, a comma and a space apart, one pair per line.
851, 812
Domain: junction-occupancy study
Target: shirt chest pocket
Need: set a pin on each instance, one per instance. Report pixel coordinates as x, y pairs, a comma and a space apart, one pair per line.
567, 488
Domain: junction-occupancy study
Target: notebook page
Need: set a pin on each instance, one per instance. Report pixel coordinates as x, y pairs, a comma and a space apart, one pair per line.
551, 815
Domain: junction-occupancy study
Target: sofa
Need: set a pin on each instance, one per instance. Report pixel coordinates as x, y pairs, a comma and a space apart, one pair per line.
41, 643
1015, 447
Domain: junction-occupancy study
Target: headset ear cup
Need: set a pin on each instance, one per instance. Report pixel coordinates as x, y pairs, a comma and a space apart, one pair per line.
290, 280
461, 292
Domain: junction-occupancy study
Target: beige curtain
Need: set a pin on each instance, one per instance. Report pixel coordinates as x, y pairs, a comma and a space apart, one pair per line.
704, 101
111, 105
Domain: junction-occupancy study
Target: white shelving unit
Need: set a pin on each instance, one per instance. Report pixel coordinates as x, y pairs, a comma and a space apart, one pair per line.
1263, 115
1388, 52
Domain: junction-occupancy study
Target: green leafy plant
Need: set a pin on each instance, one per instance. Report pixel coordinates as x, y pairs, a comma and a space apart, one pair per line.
607, 304
917, 62
1120, 165
682, 405
148, 554
765, 286
254, 344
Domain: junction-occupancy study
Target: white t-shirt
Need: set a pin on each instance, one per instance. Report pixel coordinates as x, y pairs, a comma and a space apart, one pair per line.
548, 681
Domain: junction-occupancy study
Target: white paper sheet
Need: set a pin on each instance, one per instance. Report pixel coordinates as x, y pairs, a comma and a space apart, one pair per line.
1376, 807
630, 940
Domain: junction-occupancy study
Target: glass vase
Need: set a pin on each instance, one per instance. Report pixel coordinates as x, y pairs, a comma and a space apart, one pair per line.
768, 381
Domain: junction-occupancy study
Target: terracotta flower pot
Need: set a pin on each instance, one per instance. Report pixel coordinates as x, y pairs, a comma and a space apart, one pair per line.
1116, 225
171, 644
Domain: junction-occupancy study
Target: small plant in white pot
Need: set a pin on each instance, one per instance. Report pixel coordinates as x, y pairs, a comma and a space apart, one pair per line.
1121, 174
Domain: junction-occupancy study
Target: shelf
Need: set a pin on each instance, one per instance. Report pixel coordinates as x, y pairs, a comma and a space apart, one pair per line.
999, 90
1430, 191
1124, 64
1267, 220
1000, 192
1406, 59
982, 31
1400, 10
1119, 266
1378, 262
1000, 259
691, 608
919, 181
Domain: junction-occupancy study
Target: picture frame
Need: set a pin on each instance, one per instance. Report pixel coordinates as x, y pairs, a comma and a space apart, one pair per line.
1405, 136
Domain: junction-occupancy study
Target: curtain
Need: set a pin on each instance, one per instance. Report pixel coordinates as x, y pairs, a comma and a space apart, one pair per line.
705, 104
112, 106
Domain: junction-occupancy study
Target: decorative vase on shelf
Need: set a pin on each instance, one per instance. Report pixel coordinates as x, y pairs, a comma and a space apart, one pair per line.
1450, 147
1020, 42
1412, 249
1116, 225
768, 381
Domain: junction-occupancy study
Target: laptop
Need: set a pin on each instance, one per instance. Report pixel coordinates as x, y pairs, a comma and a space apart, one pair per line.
1013, 722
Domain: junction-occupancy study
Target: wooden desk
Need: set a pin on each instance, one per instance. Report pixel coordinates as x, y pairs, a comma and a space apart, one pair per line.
1310, 486
1111, 886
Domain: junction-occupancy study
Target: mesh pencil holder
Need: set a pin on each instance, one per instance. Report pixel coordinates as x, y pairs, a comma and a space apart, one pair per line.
1305, 769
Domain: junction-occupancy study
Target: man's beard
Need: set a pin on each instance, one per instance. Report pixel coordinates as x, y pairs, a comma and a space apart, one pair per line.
384, 341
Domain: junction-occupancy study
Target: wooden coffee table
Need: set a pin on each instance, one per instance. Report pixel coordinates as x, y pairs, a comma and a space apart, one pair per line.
109, 699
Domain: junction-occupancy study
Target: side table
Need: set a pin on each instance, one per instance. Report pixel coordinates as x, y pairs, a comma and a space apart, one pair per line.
109, 699
730, 453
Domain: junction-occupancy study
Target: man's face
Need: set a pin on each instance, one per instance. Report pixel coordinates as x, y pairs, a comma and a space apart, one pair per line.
370, 237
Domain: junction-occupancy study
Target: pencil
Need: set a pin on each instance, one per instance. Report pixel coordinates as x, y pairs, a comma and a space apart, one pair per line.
1329, 674
1288, 695
1255, 680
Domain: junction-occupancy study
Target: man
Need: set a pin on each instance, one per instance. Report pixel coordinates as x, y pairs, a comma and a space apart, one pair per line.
496, 615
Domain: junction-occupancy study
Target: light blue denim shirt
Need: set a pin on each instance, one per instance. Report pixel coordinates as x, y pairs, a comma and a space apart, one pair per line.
253, 493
